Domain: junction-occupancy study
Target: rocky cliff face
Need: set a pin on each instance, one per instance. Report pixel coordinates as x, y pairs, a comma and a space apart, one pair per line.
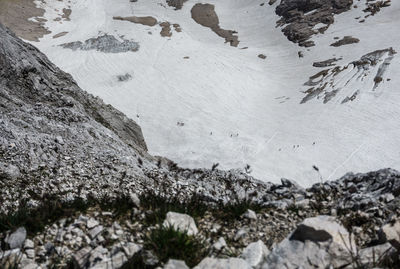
56, 139
50, 127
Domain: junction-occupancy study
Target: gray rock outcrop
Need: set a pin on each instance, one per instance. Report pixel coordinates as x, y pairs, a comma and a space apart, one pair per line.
300, 17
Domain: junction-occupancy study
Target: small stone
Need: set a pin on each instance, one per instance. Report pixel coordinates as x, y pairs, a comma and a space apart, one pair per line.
250, 214
29, 244
106, 213
81, 257
220, 244
388, 197
16, 239
30, 253
215, 228
181, 222
118, 260
91, 223
131, 249
135, 199
60, 140
240, 234
49, 247
95, 231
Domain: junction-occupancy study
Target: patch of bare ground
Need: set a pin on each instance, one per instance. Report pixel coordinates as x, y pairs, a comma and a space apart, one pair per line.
205, 15
165, 29
15, 14
147, 20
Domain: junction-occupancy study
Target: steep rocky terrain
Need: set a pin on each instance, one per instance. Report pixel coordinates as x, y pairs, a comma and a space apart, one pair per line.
281, 86
79, 190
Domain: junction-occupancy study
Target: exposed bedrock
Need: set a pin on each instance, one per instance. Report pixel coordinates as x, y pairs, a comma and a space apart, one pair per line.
105, 43
300, 17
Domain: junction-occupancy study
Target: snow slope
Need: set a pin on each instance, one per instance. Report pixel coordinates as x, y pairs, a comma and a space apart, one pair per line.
237, 108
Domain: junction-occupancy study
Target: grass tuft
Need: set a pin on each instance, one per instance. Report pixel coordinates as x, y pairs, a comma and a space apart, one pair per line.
168, 243
34, 220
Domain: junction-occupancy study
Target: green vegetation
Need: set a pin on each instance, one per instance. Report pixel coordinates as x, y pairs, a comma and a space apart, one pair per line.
34, 220
168, 243
52, 209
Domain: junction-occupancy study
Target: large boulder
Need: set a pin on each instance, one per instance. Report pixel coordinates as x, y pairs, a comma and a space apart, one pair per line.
322, 229
317, 242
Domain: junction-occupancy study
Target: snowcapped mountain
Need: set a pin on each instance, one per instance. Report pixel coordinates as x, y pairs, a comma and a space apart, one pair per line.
296, 89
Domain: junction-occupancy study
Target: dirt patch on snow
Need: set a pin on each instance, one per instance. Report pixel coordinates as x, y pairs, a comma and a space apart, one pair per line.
15, 14
60, 34
345, 41
177, 27
205, 15
148, 20
165, 29
66, 14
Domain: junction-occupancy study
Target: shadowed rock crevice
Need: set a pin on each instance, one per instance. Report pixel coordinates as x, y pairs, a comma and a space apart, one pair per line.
303, 233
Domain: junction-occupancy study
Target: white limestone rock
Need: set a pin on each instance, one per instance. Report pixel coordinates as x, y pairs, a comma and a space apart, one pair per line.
321, 229
231, 263
220, 244
250, 214
175, 264
255, 253
16, 239
390, 232
181, 222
